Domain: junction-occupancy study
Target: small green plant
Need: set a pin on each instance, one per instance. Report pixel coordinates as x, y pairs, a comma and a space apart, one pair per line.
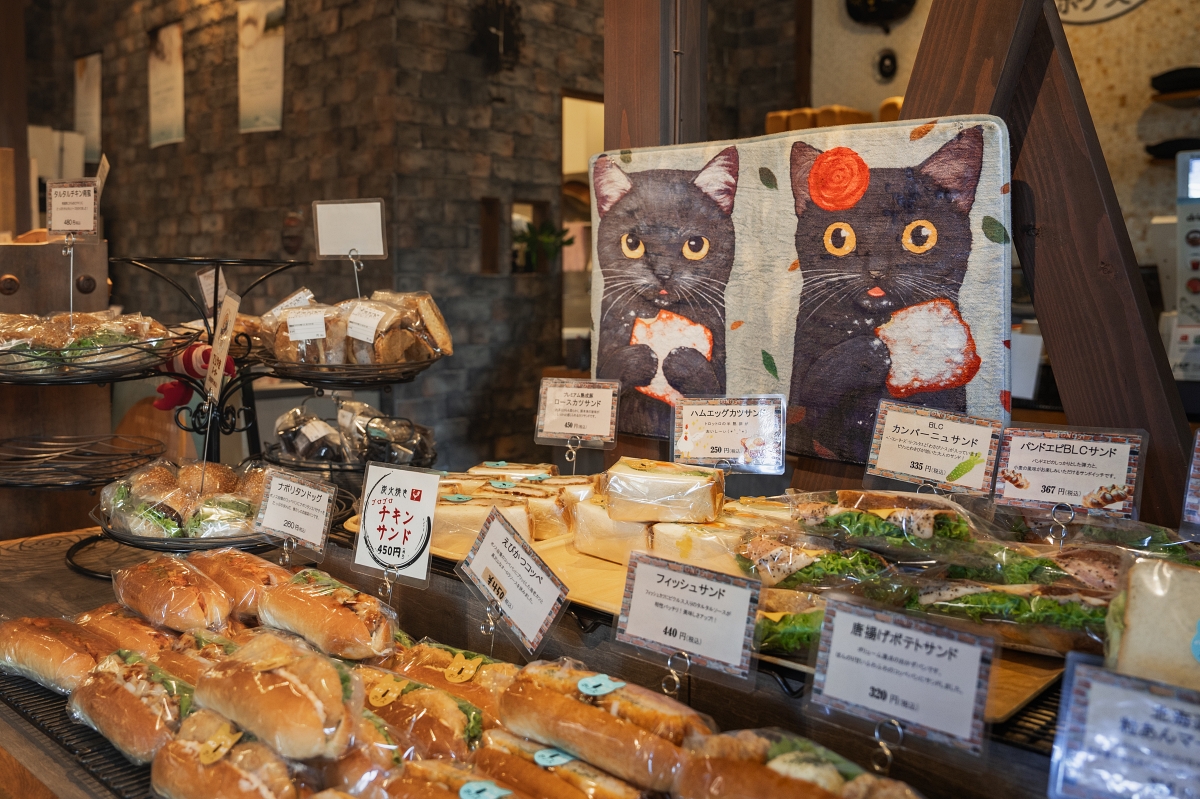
543, 241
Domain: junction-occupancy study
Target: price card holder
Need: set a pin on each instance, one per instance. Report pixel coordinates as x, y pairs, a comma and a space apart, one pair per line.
709, 616
213, 286
914, 445
578, 413
906, 682
396, 525
1084, 470
1124, 738
739, 434
1189, 526
296, 510
514, 582
73, 207
222, 336
351, 229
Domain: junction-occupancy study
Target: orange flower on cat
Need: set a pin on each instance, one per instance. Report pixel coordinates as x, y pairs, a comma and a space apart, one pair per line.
838, 179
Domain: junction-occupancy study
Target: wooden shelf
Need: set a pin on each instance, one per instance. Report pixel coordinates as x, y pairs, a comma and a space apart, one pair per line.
1188, 99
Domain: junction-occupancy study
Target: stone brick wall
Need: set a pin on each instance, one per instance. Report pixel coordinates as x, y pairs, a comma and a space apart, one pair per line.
382, 99
751, 67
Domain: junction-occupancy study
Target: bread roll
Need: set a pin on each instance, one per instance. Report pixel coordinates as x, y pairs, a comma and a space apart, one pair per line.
410, 788
245, 771
129, 630
650, 710
601, 537
55, 653
167, 591
588, 779
241, 575
217, 478
614, 745
525, 776
337, 619
718, 778
476, 678
641, 490
134, 704
285, 694
436, 723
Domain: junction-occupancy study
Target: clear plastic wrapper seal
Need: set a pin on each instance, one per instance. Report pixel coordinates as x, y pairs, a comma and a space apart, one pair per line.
1154, 624
788, 755
585, 778
129, 630
640, 490
54, 653
211, 757
337, 618
709, 546
135, 704
422, 316
314, 334
300, 702
476, 678
437, 723
169, 592
302, 434
375, 761
241, 575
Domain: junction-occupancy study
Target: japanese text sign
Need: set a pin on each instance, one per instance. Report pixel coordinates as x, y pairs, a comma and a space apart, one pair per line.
504, 569
1124, 738
1191, 499
296, 507
1098, 472
396, 521
72, 206
747, 433
923, 445
881, 665
674, 607
578, 409
206, 278
222, 336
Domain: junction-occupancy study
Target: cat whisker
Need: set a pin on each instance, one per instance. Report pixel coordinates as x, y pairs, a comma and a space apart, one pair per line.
838, 295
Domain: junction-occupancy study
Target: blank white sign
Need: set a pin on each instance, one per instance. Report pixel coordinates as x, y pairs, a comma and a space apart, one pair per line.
345, 226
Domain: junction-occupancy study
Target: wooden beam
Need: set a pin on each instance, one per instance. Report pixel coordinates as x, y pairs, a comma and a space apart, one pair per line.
14, 111
1108, 358
803, 54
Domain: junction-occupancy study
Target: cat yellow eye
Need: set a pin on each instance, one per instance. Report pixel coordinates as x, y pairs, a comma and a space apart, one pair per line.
919, 236
632, 246
695, 248
839, 239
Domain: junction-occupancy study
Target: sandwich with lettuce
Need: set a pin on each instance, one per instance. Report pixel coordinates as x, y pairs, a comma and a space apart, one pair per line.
783, 561
788, 622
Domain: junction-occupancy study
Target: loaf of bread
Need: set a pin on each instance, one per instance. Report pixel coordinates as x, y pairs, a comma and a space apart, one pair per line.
1161, 624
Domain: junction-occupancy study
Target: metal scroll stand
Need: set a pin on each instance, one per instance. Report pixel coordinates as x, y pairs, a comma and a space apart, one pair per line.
881, 758
1058, 527
69, 251
488, 625
357, 263
385, 590
573, 445
674, 679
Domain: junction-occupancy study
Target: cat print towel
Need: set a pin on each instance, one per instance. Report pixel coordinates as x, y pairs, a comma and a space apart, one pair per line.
837, 266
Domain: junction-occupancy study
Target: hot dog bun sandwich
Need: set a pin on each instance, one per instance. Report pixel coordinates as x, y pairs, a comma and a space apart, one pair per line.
128, 629
168, 591
241, 575
208, 759
55, 653
335, 618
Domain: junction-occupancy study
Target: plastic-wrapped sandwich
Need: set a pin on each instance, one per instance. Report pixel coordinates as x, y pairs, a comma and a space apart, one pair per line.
1154, 624
599, 536
587, 779
710, 546
422, 316
334, 617
503, 470
210, 758
437, 723
458, 519
171, 592
548, 513
476, 678
315, 334
54, 653
640, 490
376, 333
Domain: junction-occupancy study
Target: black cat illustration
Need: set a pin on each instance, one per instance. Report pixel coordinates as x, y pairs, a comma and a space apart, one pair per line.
665, 248
884, 253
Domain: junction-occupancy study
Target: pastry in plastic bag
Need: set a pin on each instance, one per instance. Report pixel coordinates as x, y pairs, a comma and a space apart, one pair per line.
194, 653
419, 306
315, 334
241, 575
641, 490
584, 777
129, 630
523, 775
476, 678
336, 618
54, 653
221, 516
1155, 624
305, 435
300, 298
300, 702
373, 763
437, 723
135, 704
150, 502
169, 592
601, 537
376, 332
209, 758
207, 479
458, 518
461, 779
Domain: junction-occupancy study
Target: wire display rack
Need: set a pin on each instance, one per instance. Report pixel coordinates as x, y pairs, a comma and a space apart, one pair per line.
250, 542
47, 711
348, 375
73, 462
90, 364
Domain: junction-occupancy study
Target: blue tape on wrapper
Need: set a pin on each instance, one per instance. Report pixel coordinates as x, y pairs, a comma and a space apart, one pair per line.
551, 757
599, 685
482, 790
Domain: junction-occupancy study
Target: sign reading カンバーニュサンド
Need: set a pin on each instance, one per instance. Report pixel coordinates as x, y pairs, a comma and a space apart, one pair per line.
924, 445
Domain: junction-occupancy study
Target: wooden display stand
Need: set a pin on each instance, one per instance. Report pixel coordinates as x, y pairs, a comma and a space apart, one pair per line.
1009, 58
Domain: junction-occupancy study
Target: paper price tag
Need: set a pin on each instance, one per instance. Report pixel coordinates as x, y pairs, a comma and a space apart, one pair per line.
586, 409
72, 206
1124, 738
881, 665
297, 300
205, 278
673, 607
220, 346
396, 521
504, 568
363, 322
296, 507
1099, 473
748, 433
923, 445
306, 324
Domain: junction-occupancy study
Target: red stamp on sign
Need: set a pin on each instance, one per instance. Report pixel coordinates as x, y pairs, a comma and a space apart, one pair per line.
415, 494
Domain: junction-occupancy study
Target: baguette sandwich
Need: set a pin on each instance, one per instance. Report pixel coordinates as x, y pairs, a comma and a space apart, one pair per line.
461, 779
133, 703
168, 591
208, 759
475, 678
303, 704
781, 564
54, 653
244, 577
895, 519
373, 762
337, 619
583, 777
129, 630
437, 723
194, 653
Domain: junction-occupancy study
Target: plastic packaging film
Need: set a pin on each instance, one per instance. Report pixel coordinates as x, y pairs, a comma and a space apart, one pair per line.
244, 577
422, 317
54, 653
375, 333
640, 490
459, 518
437, 723
300, 702
169, 592
1154, 624
329, 348
305, 435
476, 678
373, 763
598, 535
135, 704
127, 629
584, 777
336, 618
194, 653
461, 780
